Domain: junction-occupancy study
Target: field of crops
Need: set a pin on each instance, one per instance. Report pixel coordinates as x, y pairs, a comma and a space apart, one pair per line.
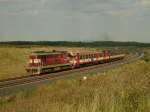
124, 89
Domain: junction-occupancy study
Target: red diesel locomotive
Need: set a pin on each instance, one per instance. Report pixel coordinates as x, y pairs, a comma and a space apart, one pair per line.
43, 62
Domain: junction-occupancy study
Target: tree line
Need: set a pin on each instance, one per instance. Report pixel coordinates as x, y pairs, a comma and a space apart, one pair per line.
78, 44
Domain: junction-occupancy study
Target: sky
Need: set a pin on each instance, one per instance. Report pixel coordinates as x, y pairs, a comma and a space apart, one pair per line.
75, 20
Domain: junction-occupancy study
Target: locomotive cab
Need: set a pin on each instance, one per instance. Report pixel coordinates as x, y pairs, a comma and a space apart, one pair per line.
34, 64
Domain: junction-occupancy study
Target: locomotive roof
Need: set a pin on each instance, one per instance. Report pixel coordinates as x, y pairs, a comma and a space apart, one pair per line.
47, 53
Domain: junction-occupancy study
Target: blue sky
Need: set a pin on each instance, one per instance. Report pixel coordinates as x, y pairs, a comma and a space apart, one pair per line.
75, 20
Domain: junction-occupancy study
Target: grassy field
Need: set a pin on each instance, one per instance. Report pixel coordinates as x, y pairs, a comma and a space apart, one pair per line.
15, 58
124, 89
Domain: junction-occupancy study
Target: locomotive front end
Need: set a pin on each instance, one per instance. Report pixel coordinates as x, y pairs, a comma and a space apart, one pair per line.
34, 64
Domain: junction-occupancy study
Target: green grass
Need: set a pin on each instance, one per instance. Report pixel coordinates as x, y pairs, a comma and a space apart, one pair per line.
146, 56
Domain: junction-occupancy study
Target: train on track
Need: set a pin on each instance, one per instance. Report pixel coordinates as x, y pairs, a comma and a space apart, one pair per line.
44, 62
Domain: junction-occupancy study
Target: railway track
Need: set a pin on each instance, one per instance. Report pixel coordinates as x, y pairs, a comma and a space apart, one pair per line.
21, 81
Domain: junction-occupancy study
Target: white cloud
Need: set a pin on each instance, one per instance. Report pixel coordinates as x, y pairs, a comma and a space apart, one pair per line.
5, 0
34, 12
122, 12
10, 1
144, 3
112, 7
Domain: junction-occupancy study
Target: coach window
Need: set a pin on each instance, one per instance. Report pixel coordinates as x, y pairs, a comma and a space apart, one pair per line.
83, 56
86, 56
100, 55
90, 56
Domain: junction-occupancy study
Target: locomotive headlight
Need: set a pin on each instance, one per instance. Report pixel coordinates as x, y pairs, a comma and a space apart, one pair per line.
30, 61
37, 61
